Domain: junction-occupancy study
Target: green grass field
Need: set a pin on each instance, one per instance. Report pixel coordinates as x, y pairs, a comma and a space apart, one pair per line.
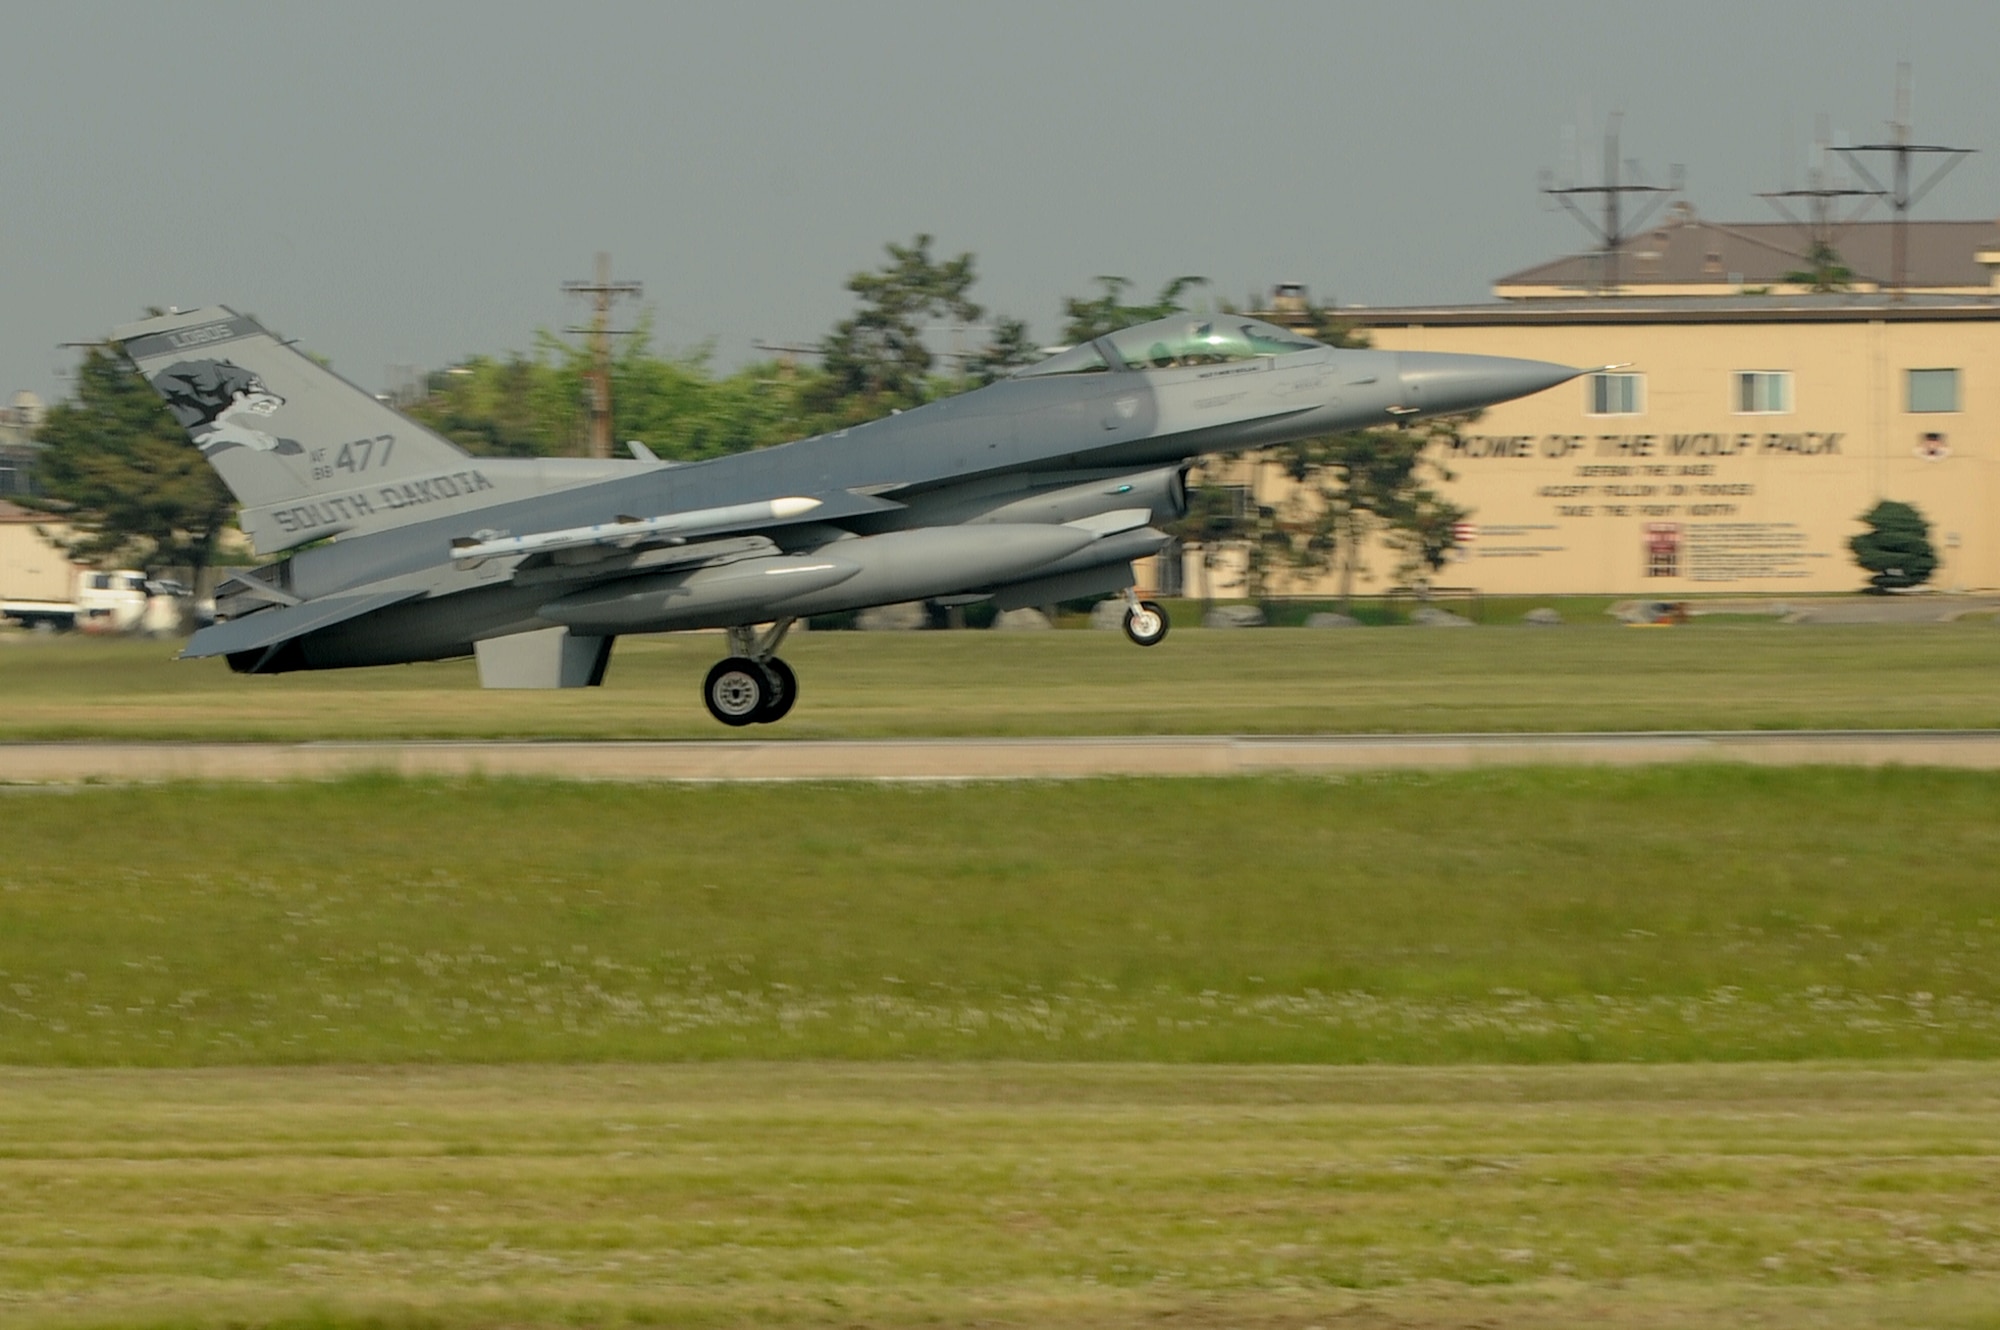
1826, 1196
388, 1055
1587, 676
1513, 916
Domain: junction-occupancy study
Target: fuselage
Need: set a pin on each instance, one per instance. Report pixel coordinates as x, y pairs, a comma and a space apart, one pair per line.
1105, 428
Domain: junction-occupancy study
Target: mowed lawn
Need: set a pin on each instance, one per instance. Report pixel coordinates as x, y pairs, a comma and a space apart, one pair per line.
1670, 1047
1513, 916
1585, 676
874, 1194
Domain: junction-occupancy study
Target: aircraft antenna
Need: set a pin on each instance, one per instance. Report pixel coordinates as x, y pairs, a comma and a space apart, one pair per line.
1612, 228
601, 292
1901, 194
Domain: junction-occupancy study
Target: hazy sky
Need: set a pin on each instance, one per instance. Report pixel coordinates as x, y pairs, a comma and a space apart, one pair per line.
412, 182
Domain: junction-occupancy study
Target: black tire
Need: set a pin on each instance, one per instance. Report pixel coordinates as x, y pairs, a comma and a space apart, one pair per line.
737, 691
784, 691
1146, 623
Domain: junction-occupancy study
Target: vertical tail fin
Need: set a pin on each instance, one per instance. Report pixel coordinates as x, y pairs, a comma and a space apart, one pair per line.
306, 452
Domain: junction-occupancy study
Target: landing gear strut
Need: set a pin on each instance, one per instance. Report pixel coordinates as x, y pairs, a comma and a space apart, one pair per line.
751, 686
1145, 622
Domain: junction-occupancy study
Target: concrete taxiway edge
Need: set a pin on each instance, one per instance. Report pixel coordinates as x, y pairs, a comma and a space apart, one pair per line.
979, 759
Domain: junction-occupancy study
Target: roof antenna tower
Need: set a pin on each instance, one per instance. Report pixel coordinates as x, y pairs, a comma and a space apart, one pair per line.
1902, 195
1820, 199
1613, 228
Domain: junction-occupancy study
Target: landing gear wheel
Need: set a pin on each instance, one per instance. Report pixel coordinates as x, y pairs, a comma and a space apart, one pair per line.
737, 691
784, 691
1146, 623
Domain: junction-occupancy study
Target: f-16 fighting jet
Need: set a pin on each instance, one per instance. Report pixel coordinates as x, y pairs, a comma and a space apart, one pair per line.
1039, 488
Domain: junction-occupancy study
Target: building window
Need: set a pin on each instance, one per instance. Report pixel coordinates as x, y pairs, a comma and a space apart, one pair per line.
1761, 392
1933, 390
1616, 395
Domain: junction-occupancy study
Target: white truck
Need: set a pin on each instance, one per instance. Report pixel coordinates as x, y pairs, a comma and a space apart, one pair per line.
93, 601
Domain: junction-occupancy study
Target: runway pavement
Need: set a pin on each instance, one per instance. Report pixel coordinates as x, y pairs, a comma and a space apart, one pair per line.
982, 759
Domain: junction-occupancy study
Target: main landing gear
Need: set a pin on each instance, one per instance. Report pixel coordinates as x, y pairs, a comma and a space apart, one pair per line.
752, 686
1145, 622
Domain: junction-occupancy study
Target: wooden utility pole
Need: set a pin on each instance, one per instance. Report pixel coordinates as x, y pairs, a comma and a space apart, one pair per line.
602, 292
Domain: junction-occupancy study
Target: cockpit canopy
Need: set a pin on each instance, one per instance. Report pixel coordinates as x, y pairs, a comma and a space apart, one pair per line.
1186, 340
1176, 341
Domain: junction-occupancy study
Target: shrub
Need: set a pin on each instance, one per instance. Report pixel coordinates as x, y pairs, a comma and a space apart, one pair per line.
1896, 548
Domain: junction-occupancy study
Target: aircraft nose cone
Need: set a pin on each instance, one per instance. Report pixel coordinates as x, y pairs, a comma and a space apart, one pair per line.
1437, 383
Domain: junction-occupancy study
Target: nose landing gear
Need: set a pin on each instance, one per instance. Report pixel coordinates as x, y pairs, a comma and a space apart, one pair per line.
1145, 622
751, 686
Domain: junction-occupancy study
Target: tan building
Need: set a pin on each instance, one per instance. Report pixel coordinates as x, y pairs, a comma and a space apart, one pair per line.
33, 563
1732, 450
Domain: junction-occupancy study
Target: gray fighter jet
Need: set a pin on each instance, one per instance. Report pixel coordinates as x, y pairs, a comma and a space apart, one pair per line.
1039, 488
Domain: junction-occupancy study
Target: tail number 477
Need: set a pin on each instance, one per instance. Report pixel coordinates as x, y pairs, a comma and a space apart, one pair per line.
360, 455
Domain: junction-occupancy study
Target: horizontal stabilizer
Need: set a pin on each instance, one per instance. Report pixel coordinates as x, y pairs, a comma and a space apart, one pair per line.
269, 627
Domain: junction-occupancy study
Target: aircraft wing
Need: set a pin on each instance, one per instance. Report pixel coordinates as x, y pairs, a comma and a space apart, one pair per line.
267, 628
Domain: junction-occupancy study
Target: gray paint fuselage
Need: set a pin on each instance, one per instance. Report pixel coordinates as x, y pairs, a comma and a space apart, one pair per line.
1016, 425
944, 462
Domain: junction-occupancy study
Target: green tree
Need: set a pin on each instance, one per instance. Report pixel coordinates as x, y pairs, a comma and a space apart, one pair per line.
1007, 349
126, 476
519, 406
1088, 317
1346, 490
1896, 548
1350, 488
534, 405
1825, 270
1216, 517
875, 361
